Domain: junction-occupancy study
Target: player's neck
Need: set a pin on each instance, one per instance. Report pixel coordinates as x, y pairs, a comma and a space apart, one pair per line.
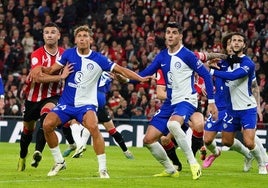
53, 50
173, 49
83, 51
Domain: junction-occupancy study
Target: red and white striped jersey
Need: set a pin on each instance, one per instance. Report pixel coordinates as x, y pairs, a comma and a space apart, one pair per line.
36, 92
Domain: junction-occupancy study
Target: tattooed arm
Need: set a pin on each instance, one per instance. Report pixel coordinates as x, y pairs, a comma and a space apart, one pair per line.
256, 94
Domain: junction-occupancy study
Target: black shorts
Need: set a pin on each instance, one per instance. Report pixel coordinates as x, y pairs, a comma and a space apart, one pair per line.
32, 109
103, 115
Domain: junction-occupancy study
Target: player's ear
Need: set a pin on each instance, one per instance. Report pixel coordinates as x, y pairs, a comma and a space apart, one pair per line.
91, 40
59, 36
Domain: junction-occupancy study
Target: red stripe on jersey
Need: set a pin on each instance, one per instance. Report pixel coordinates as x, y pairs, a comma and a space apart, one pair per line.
201, 55
160, 80
38, 91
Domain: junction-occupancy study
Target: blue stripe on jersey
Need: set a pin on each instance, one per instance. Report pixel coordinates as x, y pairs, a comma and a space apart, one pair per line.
239, 81
178, 70
81, 85
104, 86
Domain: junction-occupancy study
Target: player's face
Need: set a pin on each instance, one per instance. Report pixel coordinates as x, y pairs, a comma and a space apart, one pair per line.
83, 40
51, 35
173, 37
237, 44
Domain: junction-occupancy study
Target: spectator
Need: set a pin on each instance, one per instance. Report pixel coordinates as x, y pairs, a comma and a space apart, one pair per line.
14, 111
28, 44
114, 100
68, 19
265, 114
138, 114
151, 109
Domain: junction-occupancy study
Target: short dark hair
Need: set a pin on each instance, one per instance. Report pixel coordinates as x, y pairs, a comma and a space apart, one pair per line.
175, 25
240, 34
52, 24
225, 39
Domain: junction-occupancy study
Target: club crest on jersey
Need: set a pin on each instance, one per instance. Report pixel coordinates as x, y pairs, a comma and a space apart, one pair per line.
177, 65
90, 67
209, 125
34, 61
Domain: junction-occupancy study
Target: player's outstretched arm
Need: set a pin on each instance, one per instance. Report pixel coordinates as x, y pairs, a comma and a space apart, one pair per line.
130, 74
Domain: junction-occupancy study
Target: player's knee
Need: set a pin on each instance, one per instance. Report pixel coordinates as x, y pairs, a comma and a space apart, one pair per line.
250, 145
147, 141
175, 127
227, 142
165, 140
50, 124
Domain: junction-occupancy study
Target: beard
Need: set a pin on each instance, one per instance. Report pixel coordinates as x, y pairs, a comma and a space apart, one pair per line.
237, 51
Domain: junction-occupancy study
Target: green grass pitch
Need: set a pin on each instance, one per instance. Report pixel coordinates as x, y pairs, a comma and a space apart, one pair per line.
226, 171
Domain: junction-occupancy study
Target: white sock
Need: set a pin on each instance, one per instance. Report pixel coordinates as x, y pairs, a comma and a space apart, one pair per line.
213, 147
56, 153
102, 162
76, 132
180, 137
85, 136
256, 152
240, 148
161, 156
263, 151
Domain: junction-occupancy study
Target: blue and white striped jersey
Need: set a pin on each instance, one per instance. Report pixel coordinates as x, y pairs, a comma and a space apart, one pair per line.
104, 86
81, 85
178, 70
239, 81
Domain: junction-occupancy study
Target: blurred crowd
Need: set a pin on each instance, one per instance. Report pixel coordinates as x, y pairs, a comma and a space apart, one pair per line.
130, 33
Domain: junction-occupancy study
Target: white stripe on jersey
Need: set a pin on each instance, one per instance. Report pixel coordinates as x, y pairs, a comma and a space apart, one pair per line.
239, 92
181, 76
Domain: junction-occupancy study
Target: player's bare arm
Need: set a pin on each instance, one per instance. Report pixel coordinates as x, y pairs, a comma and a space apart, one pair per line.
256, 94
130, 74
46, 78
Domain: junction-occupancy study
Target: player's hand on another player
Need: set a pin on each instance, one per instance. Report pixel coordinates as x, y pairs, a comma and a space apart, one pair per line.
213, 63
147, 78
66, 71
213, 110
34, 73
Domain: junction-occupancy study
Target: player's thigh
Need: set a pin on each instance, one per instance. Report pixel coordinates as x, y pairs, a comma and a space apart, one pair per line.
90, 120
